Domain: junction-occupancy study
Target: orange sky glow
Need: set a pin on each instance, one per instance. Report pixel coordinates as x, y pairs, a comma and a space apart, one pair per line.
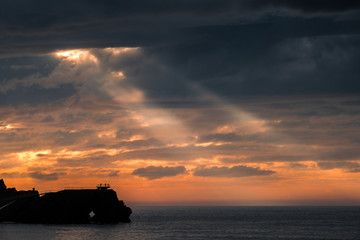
221, 152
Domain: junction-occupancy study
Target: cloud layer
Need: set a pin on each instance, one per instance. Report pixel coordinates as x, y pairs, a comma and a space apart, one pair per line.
152, 172
236, 171
204, 95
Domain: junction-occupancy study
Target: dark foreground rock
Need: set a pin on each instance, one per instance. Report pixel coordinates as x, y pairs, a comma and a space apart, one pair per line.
99, 205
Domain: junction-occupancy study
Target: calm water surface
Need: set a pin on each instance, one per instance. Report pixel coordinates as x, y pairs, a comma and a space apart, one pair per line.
207, 223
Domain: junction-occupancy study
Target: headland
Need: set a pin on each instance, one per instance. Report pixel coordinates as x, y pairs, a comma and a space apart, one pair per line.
99, 205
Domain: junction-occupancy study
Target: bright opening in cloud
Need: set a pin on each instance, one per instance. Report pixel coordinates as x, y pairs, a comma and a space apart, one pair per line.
5, 127
77, 55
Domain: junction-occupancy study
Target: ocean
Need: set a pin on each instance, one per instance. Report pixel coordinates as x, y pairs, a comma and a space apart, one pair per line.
206, 223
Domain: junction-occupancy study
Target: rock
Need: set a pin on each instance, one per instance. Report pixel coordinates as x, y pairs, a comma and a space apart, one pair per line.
99, 205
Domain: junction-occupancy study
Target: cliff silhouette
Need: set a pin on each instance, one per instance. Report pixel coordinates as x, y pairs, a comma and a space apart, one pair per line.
100, 205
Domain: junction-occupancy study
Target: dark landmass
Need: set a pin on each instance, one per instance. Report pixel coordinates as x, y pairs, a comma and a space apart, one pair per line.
99, 205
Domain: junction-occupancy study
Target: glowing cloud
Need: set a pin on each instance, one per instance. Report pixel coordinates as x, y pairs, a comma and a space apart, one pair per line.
117, 51
77, 55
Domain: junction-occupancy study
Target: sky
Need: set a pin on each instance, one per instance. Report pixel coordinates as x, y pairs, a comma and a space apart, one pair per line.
214, 102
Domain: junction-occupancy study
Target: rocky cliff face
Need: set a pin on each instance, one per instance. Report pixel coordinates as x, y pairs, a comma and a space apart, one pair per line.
67, 206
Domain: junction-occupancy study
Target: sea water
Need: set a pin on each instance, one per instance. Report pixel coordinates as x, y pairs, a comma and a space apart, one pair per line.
207, 223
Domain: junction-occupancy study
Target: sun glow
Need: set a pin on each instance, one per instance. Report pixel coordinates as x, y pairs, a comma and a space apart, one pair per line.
77, 55
117, 51
5, 127
137, 138
31, 158
65, 153
120, 75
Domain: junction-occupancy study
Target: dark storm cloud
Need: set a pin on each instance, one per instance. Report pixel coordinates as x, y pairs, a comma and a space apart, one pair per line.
48, 119
280, 135
279, 158
45, 176
45, 14
340, 153
92, 160
298, 165
103, 118
166, 153
34, 174
231, 48
13, 175
222, 137
153, 172
253, 62
187, 153
54, 25
236, 171
21, 67
353, 167
35, 95
308, 5
351, 103
126, 133
152, 142
69, 138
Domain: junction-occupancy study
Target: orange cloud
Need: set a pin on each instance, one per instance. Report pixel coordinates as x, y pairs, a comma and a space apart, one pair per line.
109, 130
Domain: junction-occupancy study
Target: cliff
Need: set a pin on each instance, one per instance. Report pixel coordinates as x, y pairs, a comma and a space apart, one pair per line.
67, 206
